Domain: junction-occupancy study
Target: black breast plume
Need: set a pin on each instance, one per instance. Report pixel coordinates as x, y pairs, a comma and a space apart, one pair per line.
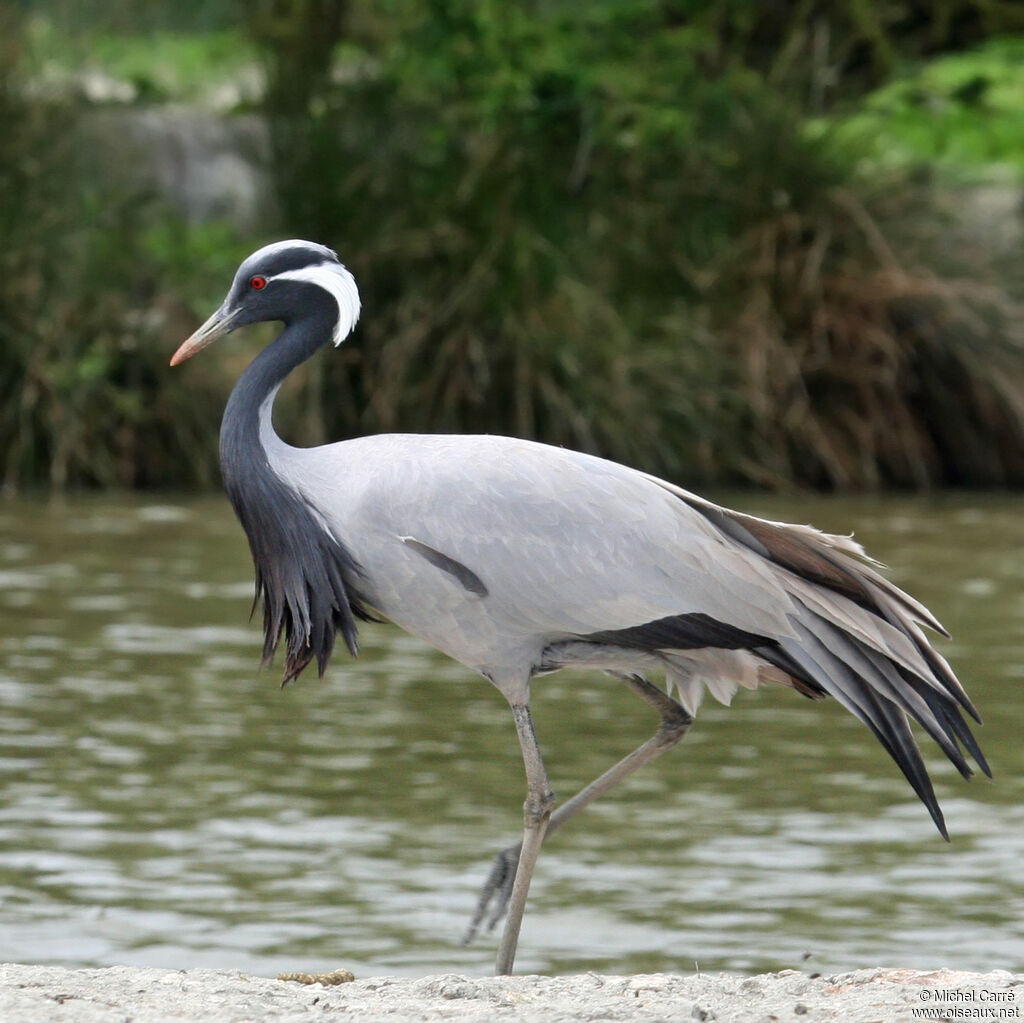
305, 578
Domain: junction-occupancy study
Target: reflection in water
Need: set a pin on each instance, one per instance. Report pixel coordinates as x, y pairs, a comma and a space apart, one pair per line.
163, 803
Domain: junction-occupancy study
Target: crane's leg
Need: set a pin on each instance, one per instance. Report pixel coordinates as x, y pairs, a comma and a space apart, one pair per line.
499, 886
536, 814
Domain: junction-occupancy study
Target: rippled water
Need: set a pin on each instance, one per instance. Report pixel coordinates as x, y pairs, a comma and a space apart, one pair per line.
164, 803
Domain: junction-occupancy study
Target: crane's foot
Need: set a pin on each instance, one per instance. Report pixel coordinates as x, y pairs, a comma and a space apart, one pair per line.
495, 893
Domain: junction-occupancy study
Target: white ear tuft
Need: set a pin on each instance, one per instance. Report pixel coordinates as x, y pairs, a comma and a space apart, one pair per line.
340, 284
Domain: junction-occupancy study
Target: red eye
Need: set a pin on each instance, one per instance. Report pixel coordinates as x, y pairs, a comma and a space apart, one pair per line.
257, 283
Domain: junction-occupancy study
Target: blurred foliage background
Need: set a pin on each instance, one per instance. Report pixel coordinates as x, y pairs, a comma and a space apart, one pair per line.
724, 241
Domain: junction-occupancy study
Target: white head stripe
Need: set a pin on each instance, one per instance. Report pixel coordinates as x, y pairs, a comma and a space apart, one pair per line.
337, 282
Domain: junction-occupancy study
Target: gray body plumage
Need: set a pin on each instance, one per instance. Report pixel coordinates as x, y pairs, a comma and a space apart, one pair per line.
566, 545
572, 549
517, 559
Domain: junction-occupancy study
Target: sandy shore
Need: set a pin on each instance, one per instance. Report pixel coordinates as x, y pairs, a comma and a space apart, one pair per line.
121, 994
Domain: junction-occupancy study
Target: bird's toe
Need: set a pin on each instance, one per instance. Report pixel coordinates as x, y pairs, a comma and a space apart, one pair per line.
495, 892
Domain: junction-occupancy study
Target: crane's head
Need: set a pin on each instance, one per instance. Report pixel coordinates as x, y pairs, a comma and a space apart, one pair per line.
273, 284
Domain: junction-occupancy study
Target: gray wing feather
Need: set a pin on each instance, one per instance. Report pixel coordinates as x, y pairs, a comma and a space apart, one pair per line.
569, 546
887, 721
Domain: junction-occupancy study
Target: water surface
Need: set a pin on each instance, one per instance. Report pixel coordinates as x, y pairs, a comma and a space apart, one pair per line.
164, 803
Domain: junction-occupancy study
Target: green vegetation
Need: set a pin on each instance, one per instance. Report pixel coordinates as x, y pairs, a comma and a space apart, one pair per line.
692, 237
89, 287
161, 65
961, 114
565, 227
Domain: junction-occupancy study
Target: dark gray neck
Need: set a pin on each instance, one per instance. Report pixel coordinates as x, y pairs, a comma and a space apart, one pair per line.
240, 440
305, 576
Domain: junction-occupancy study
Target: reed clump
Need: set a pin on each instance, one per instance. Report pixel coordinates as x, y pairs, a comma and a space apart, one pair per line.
605, 231
622, 227
87, 311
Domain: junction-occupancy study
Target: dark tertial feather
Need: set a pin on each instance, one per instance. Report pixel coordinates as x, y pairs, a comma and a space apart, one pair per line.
823, 658
887, 721
950, 718
882, 692
812, 557
679, 632
841, 653
785, 548
941, 671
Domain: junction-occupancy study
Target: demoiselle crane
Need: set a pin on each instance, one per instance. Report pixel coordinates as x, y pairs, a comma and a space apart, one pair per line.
516, 559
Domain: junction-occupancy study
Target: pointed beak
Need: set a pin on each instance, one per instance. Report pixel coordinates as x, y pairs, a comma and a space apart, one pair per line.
219, 324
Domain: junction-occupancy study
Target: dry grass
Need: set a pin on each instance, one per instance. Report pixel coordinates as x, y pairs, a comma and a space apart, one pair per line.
862, 368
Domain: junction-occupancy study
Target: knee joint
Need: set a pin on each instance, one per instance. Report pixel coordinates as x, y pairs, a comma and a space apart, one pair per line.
674, 724
537, 809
